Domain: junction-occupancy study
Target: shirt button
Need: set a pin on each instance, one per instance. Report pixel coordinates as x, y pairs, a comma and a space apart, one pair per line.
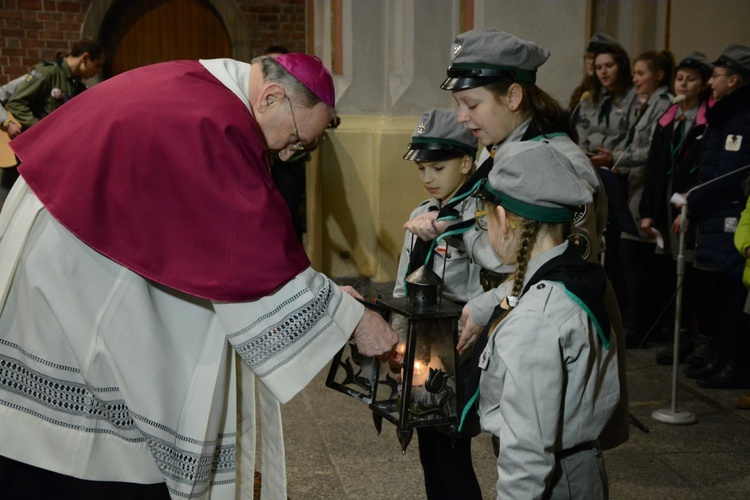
540, 286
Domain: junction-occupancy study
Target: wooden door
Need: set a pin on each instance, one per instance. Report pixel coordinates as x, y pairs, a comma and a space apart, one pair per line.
140, 32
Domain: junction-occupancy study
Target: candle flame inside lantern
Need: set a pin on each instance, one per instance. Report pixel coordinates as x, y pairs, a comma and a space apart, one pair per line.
419, 374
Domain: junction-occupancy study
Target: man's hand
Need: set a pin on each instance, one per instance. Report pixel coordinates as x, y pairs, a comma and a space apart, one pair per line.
351, 291
426, 227
470, 331
375, 337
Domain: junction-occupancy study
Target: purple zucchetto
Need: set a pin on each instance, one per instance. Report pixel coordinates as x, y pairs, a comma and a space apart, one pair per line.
310, 71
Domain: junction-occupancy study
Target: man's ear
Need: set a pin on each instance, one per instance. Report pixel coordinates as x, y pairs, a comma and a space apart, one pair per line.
733, 81
270, 94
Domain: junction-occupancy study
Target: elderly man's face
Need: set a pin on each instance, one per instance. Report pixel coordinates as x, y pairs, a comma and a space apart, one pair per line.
293, 127
720, 83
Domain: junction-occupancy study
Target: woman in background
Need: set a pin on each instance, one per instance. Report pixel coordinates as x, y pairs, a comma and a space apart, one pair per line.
583, 92
643, 274
601, 126
603, 119
672, 167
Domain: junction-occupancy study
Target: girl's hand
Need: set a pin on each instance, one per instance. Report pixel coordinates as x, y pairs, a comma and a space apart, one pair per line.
647, 224
677, 223
603, 158
470, 331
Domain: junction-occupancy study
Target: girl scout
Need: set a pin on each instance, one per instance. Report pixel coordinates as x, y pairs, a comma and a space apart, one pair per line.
549, 380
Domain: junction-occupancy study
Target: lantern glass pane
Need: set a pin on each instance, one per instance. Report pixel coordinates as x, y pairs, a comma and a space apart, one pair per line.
432, 398
427, 346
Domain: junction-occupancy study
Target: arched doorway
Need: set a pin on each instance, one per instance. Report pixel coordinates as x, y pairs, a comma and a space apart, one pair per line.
141, 32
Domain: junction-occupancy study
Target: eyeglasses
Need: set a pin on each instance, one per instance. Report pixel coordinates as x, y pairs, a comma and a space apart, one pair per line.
718, 75
297, 144
484, 193
480, 216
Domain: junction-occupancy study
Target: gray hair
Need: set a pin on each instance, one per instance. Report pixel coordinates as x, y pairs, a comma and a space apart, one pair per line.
275, 72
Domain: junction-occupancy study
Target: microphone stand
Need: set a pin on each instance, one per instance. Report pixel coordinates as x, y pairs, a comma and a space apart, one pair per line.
671, 415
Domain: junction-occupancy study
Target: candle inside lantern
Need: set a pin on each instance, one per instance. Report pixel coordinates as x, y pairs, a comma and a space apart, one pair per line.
419, 374
422, 371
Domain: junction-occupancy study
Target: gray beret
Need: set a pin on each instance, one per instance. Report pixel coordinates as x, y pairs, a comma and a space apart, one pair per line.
480, 57
599, 42
736, 57
536, 181
440, 136
697, 61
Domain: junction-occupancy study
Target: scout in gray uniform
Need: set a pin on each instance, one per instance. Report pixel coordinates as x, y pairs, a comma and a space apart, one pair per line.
50, 84
597, 42
443, 150
549, 381
602, 116
643, 294
492, 78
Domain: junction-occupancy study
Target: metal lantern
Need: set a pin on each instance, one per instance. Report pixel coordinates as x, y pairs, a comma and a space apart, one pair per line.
420, 386
352, 373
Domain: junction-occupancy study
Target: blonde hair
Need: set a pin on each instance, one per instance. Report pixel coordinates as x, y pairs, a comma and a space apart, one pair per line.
531, 230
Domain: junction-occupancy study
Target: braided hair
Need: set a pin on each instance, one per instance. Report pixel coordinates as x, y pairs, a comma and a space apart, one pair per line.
528, 238
529, 234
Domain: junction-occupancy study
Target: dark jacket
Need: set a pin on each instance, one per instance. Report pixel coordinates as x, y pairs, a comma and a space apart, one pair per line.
680, 167
717, 206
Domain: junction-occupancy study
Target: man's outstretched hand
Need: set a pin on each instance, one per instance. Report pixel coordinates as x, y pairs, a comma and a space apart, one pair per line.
375, 337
